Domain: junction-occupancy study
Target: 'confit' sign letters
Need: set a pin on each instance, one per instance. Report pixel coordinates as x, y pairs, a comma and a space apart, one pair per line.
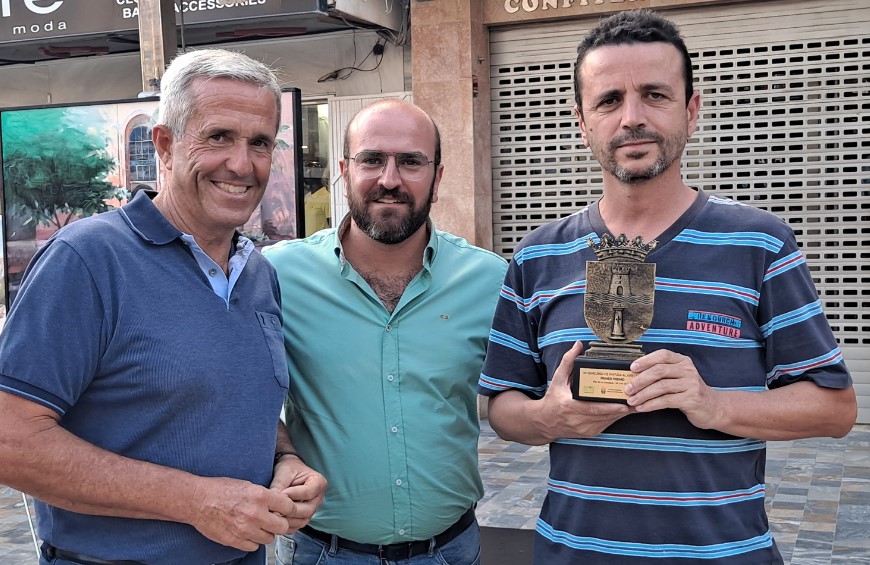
496, 12
513, 6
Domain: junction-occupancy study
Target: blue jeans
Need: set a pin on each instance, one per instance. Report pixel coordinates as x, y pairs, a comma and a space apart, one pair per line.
300, 549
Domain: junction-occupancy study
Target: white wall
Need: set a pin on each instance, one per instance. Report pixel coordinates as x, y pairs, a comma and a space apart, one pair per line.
109, 77
299, 62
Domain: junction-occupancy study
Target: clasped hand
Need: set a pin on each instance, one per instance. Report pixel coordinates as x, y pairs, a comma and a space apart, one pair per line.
243, 515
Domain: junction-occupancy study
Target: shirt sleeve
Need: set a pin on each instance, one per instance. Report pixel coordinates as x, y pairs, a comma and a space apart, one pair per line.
54, 336
513, 359
799, 343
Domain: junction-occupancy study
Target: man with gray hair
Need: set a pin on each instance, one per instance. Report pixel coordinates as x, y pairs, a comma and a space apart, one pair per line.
140, 398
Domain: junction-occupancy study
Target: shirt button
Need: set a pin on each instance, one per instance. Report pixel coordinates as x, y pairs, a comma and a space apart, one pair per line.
390, 378
402, 532
394, 429
398, 482
212, 272
389, 328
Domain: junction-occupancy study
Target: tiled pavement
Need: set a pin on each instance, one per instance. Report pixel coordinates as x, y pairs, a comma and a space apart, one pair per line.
16, 544
818, 497
818, 493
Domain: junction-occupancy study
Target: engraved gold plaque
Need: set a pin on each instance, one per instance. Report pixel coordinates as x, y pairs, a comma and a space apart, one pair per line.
618, 307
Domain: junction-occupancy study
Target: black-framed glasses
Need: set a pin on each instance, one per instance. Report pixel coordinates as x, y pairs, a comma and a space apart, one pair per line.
371, 164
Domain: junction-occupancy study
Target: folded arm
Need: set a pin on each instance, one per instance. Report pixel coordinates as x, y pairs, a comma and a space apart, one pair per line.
669, 380
41, 458
516, 417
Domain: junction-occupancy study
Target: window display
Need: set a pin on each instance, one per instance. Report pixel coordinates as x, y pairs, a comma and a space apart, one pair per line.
62, 163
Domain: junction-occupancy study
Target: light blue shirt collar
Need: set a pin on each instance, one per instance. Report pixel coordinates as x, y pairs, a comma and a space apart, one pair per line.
220, 283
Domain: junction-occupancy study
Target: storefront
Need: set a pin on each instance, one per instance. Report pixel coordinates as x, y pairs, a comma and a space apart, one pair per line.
784, 126
338, 54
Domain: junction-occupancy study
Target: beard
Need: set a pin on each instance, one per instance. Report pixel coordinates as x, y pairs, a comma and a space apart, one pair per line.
391, 227
670, 150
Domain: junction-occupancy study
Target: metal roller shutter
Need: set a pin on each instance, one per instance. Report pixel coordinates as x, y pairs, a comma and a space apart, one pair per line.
784, 126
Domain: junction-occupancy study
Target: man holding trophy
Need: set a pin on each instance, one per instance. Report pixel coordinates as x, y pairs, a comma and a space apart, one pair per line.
707, 335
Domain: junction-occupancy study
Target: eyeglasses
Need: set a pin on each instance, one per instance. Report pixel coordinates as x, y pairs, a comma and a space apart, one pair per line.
371, 164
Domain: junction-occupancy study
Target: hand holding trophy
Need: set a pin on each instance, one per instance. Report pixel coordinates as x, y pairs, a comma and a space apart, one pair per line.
618, 307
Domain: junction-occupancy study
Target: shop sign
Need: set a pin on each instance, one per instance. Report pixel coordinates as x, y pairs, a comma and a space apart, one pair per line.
27, 20
508, 11
514, 6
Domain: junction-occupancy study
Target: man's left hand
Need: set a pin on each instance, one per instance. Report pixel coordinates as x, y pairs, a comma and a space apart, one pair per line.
669, 380
301, 484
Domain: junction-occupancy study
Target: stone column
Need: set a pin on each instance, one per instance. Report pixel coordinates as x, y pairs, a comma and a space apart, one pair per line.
156, 40
450, 81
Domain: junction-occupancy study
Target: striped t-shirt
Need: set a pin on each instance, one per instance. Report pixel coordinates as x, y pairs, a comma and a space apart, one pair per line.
732, 292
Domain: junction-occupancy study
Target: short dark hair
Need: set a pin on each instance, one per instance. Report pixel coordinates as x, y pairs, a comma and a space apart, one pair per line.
633, 26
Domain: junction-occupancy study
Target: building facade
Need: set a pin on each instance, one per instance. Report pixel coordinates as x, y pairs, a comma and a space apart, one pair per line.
784, 124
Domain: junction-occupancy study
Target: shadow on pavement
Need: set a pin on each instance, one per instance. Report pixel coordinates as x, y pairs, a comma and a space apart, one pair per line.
506, 546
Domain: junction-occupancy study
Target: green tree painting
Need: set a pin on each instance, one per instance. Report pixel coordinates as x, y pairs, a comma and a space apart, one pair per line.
55, 162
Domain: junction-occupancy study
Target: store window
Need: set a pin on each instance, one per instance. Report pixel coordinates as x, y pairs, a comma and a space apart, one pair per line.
142, 168
315, 167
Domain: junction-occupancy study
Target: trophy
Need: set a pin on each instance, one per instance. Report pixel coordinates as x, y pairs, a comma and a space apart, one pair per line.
620, 291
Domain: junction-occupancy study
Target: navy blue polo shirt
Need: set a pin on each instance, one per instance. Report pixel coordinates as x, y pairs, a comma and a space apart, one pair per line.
118, 330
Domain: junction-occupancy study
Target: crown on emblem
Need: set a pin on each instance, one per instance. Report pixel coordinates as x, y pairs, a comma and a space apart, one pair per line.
621, 248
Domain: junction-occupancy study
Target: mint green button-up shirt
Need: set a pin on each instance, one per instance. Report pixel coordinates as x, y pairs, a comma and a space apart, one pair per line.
385, 404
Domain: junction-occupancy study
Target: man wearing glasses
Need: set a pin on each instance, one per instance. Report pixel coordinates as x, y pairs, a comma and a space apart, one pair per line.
386, 321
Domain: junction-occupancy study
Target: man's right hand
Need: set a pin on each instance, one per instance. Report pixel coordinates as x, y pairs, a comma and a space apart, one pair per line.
239, 514
516, 417
41, 458
566, 417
